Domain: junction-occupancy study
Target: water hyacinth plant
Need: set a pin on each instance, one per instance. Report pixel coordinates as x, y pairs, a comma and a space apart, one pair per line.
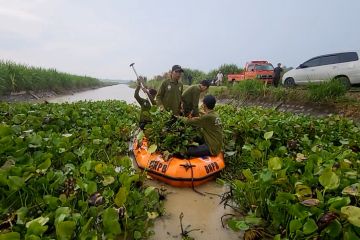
65, 173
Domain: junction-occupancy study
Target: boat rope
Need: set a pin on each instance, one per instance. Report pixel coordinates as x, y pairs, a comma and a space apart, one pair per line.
192, 178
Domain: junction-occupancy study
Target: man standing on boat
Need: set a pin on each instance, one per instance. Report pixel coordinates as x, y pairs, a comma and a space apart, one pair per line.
191, 96
169, 94
211, 130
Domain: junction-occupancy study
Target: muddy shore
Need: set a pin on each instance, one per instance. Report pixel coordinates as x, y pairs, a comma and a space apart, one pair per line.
41, 96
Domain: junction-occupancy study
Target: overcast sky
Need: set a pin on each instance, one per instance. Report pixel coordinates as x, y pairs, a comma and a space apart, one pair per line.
101, 38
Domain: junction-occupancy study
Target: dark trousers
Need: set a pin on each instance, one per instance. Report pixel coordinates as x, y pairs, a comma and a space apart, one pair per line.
199, 151
276, 81
143, 124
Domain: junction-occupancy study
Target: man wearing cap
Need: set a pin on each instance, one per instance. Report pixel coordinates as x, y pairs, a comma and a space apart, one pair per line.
191, 96
169, 94
211, 130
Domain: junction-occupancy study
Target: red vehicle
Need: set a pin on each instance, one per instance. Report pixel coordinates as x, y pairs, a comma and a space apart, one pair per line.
262, 70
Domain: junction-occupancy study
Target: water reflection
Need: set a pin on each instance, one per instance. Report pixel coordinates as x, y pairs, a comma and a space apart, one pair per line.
116, 92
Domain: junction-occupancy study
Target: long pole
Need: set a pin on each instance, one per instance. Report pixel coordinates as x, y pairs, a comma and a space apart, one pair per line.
141, 83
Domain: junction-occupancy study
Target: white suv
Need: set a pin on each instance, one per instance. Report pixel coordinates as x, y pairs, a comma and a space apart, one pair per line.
344, 66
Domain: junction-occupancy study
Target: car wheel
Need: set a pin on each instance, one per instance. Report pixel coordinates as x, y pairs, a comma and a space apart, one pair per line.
345, 81
289, 82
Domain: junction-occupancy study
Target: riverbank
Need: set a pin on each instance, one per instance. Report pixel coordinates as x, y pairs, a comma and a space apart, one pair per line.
297, 100
308, 108
44, 95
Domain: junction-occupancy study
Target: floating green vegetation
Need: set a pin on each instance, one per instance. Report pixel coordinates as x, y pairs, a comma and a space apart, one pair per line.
65, 173
293, 176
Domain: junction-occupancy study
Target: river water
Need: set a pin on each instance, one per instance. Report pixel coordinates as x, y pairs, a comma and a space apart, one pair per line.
115, 92
201, 212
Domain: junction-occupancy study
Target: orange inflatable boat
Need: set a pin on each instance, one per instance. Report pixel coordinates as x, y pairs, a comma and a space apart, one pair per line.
176, 171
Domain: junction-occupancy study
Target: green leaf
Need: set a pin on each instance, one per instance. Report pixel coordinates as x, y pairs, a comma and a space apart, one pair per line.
85, 229
121, 196
10, 236
310, 226
44, 165
152, 148
302, 191
61, 213
99, 168
137, 235
108, 180
266, 175
111, 222
238, 225
295, 225
256, 153
52, 201
15, 182
36, 229
149, 190
91, 187
5, 130
21, 214
275, 163
253, 220
277, 237
248, 175
35, 141
352, 214
337, 203
268, 135
41, 220
334, 229
329, 180
140, 136
65, 230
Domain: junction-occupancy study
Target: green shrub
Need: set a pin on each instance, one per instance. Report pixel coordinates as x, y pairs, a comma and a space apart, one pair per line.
332, 89
249, 88
17, 77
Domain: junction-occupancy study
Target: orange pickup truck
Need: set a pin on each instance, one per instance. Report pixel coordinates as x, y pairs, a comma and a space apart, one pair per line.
262, 70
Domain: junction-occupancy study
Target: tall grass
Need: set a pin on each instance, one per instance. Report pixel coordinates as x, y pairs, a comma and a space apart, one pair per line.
249, 88
17, 77
330, 90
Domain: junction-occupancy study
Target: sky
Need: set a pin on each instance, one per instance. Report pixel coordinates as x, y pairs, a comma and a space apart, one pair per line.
101, 38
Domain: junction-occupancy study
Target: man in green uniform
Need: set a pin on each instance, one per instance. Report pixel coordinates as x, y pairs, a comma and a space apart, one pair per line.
191, 96
211, 129
145, 105
169, 94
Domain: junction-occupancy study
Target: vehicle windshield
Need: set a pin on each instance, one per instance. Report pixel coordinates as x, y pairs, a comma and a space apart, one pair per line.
264, 67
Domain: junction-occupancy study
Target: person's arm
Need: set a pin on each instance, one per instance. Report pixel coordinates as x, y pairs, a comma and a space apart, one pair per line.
196, 121
137, 96
195, 102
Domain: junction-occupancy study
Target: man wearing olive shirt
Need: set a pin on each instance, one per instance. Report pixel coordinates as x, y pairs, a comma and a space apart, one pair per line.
211, 130
169, 94
191, 96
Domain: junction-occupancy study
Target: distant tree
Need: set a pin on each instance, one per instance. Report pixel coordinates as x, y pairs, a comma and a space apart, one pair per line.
225, 69
197, 75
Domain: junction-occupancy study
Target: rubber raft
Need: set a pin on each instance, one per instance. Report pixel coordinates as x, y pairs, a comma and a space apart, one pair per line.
175, 171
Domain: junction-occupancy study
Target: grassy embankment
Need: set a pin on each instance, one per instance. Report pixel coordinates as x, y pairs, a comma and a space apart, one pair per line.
332, 95
18, 78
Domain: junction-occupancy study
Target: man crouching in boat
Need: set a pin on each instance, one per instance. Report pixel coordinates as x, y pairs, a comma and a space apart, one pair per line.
145, 105
211, 130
